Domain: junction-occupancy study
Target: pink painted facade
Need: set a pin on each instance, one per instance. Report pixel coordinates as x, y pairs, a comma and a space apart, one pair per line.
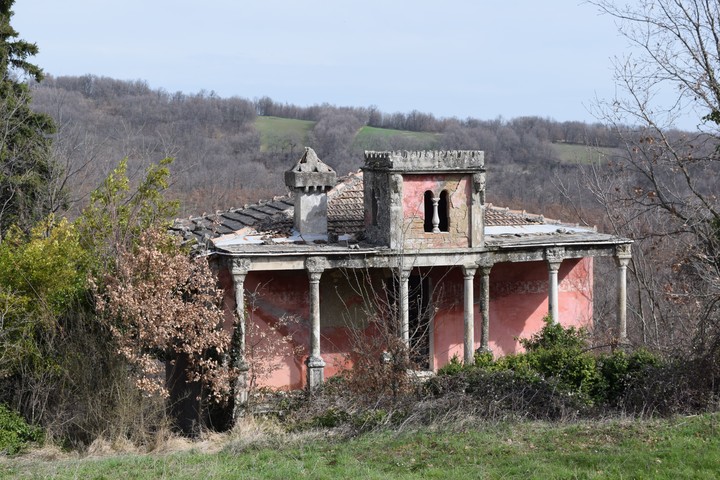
457, 188
408, 234
277, 307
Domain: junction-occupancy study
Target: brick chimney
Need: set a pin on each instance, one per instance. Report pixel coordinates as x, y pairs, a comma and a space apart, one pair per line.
309, 180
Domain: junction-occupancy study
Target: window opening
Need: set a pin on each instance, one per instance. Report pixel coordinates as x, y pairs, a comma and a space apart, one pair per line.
428, 224
443, 212
420, 315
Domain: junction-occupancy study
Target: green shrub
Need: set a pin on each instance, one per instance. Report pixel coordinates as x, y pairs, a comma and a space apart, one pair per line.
622, 372
555, 336
561, 353
15, 433
555, 352
483, 358
453, 367
331, 418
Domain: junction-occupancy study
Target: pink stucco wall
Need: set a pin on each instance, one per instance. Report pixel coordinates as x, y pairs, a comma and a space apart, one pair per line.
518, 303
459, 192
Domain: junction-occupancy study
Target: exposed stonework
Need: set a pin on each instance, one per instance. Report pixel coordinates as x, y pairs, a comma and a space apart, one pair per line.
310, 179
457, 233
426, 161
399, 212
488, 273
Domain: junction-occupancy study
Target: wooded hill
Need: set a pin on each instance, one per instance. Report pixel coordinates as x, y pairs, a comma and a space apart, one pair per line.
231, 151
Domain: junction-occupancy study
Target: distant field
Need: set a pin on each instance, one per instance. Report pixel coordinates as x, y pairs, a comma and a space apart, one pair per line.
369, 138
682, 447
278, 133
572, 153
275, 132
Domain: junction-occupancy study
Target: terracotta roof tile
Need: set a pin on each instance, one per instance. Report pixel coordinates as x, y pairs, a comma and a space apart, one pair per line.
346, 215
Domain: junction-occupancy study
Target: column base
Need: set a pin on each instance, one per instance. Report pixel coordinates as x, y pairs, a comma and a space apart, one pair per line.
315, 372
484, 351
240, 394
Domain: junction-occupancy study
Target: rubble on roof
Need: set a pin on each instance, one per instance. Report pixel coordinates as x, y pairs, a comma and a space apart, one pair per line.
263, 221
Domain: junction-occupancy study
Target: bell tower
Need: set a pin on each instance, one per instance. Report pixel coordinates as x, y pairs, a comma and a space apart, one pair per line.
425, 199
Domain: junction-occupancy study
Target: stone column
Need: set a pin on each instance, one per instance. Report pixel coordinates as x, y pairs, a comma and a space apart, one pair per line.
315, 363
485, 305
553, 258
469, 314
436, 215
239, 268
403, 277
623, 254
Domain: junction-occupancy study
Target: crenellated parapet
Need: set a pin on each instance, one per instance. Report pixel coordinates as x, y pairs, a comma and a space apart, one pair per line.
426, 161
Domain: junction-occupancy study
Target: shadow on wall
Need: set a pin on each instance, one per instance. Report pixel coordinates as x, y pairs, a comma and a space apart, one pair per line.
519, 300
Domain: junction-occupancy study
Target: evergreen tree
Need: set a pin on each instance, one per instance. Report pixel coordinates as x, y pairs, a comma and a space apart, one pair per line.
27, 189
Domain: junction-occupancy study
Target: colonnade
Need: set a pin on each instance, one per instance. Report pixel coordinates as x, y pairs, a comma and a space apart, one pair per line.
315, 267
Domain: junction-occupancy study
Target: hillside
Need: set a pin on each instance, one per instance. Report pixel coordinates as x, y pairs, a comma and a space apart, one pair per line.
232, 151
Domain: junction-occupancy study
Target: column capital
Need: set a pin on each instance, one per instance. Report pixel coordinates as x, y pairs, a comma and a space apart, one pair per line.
315, 265
469, 270
404, 272
239, 266
485, 263
623, 254
554, 255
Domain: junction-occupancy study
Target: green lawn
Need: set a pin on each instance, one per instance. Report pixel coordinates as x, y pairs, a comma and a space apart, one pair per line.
683, 447
276, 132
368, 138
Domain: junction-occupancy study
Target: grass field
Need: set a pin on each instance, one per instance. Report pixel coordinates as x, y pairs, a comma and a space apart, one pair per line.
683, 447
275, 131
572, 153
369, 138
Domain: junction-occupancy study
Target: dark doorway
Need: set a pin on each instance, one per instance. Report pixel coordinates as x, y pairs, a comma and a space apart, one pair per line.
419, 320
419, 317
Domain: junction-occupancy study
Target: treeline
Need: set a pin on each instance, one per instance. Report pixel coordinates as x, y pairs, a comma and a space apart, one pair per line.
544, 129
221, 161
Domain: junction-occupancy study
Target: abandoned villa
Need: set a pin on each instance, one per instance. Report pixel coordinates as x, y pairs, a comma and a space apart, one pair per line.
408, 239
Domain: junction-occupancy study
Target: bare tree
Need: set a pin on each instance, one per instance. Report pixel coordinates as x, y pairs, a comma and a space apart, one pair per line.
668, 198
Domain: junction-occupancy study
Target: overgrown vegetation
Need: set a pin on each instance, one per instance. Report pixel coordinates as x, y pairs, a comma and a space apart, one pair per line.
89, 312
15, 433
557, 377
682, 447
